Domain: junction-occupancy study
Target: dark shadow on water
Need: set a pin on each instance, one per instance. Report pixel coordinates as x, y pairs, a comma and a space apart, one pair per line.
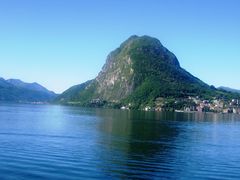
140, 144
137, 144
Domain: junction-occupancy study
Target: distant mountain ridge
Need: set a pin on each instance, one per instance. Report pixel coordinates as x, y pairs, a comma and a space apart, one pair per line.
16, 90
139, 73
31, 86
229, 89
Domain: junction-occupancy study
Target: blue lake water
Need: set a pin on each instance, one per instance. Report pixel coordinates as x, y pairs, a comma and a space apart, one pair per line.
58, 142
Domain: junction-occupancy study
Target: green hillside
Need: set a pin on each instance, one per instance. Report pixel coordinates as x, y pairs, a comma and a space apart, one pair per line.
139, 73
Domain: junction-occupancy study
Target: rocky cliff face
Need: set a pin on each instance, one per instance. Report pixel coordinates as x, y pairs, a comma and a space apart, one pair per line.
120, 75
116, 80
138, 72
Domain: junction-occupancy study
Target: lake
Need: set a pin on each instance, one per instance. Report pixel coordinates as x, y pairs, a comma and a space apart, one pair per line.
59, 142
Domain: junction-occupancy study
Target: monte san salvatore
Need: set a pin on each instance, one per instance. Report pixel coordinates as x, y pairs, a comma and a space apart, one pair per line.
143, 74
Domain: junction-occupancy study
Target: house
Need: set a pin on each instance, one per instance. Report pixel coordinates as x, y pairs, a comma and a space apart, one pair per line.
236, 110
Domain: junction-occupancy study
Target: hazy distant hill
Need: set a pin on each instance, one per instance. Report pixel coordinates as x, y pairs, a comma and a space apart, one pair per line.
31, 86
139, 72
229, 89
18, 91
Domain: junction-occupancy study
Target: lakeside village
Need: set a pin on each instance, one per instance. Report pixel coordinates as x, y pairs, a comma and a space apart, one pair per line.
193, 104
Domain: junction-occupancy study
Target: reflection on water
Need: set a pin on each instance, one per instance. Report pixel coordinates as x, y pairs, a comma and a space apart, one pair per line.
57, 142
134, 141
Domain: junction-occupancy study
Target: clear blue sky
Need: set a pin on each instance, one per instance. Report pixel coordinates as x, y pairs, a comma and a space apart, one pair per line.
60, 43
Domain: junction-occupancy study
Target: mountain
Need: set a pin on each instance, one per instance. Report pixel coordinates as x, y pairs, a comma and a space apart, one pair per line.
15, 90
30, 86
4, 83
229, 89
138, 73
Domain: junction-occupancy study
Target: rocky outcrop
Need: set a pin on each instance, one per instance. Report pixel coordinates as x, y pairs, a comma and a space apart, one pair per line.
139, 72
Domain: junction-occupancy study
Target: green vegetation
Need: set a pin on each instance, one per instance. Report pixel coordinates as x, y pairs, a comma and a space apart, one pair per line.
136, 75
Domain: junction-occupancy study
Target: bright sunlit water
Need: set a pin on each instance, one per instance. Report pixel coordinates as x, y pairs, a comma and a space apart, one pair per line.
58, 142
